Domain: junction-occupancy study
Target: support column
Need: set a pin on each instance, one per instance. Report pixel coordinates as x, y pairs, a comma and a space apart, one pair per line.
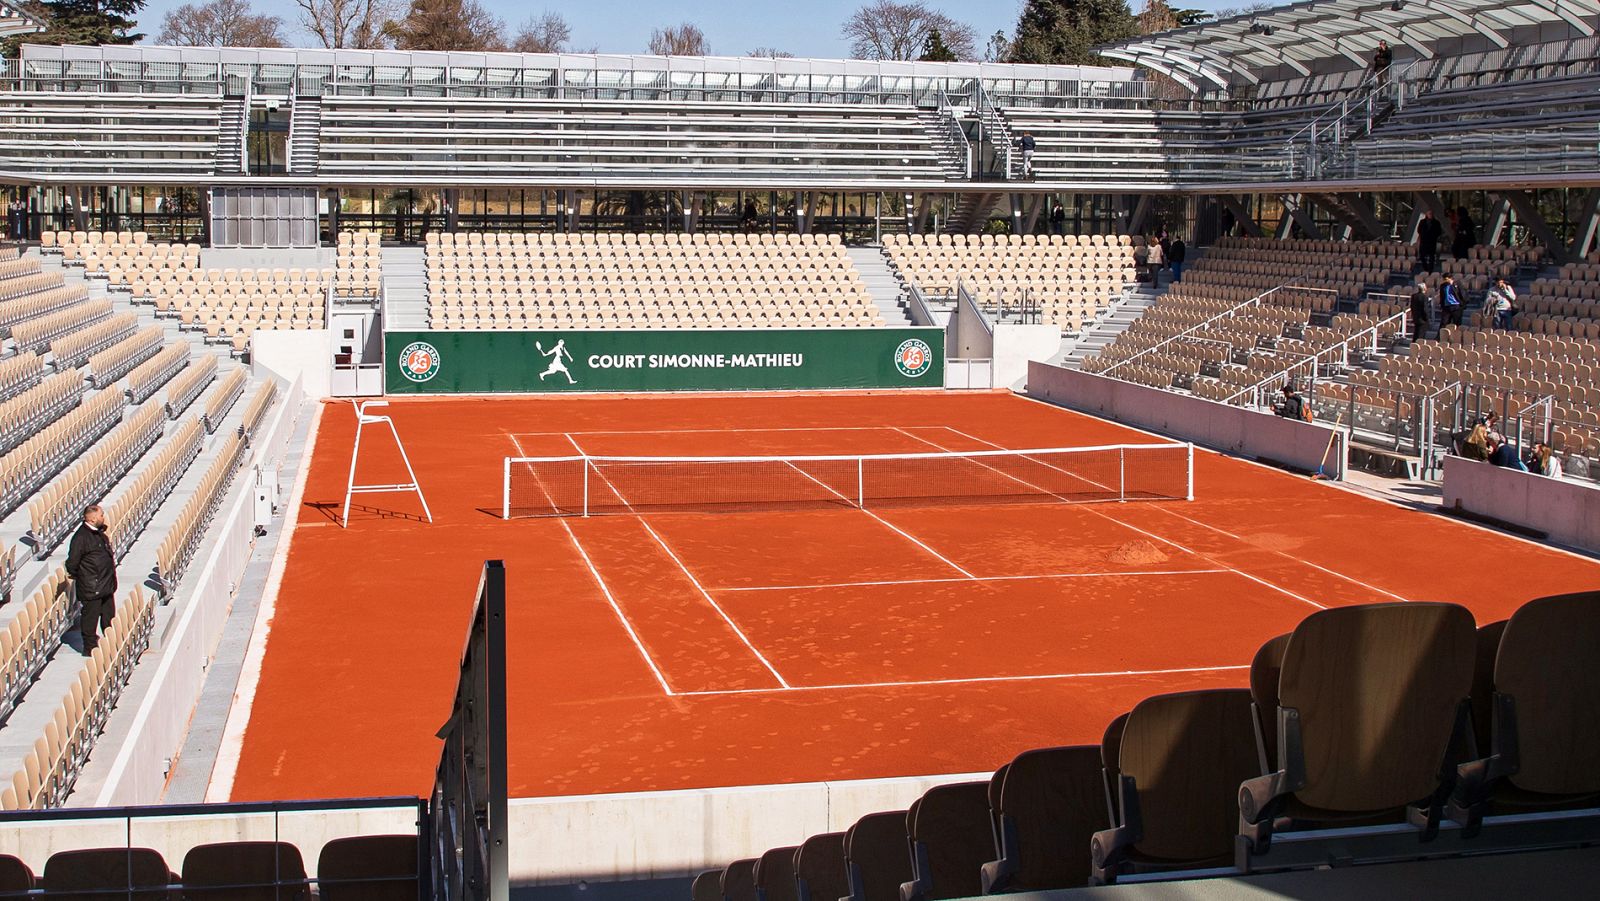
1016, 213
1588, 226
1527, 207
1241, 215
807, 212
919, 221
332, 195
452, 209
1297, 213
1031, 224
1138, 221
1499, 218
205, 215
696, 206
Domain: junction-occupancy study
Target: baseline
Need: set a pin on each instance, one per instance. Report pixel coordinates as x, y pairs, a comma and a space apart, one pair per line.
970, 680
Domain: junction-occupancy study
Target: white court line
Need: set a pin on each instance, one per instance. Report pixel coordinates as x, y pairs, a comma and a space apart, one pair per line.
610, 599
1161, 572
1167, 541
1332, 572
805, 428
717, 607
973, 680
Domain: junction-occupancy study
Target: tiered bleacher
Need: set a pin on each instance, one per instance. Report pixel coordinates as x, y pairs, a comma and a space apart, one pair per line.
1369, 733
359, 273
76, 133
1069, 278
541, 280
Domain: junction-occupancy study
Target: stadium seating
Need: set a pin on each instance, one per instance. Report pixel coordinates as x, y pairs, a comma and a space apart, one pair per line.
951, 839
177, 550
1069, 278
774, 875
187, 386
223, 399
74, 349
820, 872
24, 414
131, 511
739, 880
148, 377
27, 468
642, 281
80, 133
59, 506
36, 334
108, 366
106, 869
360, 265
876, 860
369, 868
1050, 798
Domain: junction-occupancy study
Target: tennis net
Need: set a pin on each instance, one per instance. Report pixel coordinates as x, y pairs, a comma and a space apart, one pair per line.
584, 485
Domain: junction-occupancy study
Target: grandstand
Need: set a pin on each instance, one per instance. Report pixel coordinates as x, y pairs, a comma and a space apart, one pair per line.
686, 566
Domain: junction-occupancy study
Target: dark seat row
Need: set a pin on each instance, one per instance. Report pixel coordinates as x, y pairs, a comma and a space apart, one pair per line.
364, 868
1400, 720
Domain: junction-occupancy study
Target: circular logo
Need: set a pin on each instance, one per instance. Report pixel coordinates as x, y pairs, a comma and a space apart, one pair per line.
419, 361
913, 358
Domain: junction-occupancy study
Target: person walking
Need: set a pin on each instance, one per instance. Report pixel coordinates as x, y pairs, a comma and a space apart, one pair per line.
1420, 314
1450, 301
92, 567
1027, 144
1175, 255
1499, 305
1058, 220
1429, 231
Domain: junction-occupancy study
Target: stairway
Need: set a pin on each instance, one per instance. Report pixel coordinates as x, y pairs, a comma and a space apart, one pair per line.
405, 291
305, 135
952, 154
882, 284
970, 212
1105, 328
231, 129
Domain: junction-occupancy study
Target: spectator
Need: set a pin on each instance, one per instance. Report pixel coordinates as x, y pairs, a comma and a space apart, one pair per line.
1292, 406
1175, 254
92, 566
1058, 220
1155, 259
16, 215
1429, 231
1450, 301
1476, 445
1225, 227
747, 219
1420, 302
1499, 305
1026, 144
1381, 59
1466, 234
1141, 261
1545, 462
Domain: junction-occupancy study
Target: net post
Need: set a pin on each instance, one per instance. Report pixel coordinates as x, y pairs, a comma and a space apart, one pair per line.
1190, 496
861, 483
505, 492
1122, 474
586, 486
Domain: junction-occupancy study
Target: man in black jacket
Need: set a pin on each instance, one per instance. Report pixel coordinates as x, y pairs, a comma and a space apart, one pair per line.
1421, 309
1429, 231
92, 566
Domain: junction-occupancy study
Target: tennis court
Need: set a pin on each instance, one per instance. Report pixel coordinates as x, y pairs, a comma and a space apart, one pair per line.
832, 609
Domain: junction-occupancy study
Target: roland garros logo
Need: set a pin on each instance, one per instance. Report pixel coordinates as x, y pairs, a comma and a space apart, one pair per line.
419, 361
913, 358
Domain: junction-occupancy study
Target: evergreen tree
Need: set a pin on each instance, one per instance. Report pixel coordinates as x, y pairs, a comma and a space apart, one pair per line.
935, 51
89, 22
1065, 32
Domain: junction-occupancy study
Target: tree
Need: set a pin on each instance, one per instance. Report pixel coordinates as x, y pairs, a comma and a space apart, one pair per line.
353, 24
885, 29
998, 49
1066, 32
682, 40
1156, 16
770, 53
934, 49
80, 22
448, 25
220, 23
1187, 17
1228, 12
547, 33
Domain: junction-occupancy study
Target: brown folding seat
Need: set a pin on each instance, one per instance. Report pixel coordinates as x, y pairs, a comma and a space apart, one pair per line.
108, 874
877, 858
1180, 761
1264, 671
739, 880
244, 871
368, 868
707, 886
14, 875
1543, 733
775, 874
1372, 707
820, 871
1052, 802
952, 837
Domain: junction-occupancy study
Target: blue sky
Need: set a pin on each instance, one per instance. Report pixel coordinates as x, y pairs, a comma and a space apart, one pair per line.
801, 27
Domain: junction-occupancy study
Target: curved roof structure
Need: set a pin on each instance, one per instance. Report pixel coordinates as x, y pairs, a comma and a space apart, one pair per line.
15, 20
1303, 35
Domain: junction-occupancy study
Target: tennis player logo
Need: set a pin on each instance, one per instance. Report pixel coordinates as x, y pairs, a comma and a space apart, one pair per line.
419, 361
913, 358
558, 356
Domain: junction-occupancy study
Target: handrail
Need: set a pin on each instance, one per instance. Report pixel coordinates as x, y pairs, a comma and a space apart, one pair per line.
1342, 347
920, 314
1226, 314
989, 115
1368, 95
952, 125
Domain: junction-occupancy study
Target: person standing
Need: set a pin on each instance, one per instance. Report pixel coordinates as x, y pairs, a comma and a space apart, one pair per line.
1175, 254
1429, 231
16, 213
1500, 304
1027, 144
750, 216
1420, 313
1058, 220
1156, 259
1382, 58
1466, 234
92, 567
1450, 301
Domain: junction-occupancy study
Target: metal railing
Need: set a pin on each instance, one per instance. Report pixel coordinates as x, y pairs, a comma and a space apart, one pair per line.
1336, 354
991, 120
1403, 422
1318, 143
956, 132
1230, 313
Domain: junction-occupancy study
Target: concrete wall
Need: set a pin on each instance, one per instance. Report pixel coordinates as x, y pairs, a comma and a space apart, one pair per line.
306, 355
1567, 512
1235, 430
186, 640
1015, 346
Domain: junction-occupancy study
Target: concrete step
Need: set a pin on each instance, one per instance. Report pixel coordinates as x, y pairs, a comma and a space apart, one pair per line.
882, 284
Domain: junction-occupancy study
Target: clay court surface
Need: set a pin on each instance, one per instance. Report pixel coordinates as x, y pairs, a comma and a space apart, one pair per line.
669, 650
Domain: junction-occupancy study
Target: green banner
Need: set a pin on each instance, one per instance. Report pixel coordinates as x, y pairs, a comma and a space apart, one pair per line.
662, 360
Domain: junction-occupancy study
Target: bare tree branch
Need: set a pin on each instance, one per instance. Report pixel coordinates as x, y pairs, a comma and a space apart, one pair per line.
546, 33
353, 24
770, 53
220, 23
885, 29
682, 40
448, 25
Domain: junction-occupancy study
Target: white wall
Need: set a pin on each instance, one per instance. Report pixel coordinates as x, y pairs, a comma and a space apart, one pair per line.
1015, 346
306, 355
1567, 512
1235, 430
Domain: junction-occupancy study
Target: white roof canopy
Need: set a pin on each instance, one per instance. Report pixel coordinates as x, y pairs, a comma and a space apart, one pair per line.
13, 20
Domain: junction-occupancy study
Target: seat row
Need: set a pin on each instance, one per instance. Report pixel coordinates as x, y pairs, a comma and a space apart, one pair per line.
177, 549
24, 414
148, 377
1008, 240
75, 348
448, 240
36, 334
14, 286
30, 306
30, 465
187, 386
32, 636
1368, 733
109, 365
58, 507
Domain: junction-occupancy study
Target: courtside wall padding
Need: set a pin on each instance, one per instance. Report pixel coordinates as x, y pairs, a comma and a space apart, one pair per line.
476, 362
